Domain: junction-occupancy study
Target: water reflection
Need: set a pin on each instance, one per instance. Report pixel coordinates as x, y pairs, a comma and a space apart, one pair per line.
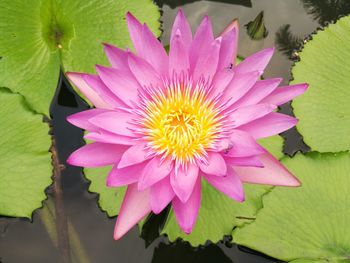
325, 11
288, 43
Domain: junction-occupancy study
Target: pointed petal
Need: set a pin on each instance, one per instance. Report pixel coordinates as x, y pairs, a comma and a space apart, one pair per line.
154, 52
258, 92
241, 144
202, 39
230, 184
183, 181
103, 91
161, 195
216, 165
221, 80
96, 154
186, 213
233, 25
207, 61
285, 94
155, 170
178, 55
121, 83
116, 57
252, 161
255, 62
228, 50
117, 122
133, 155
81, 119
124, 176
271, 124
143, 71
109, 137
240, 85
183, 26
135, 31
89, 92
249, 113
273, 173
135, 206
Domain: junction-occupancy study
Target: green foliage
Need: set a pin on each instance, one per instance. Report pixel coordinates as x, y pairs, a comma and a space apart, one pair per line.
25, 162
309, 223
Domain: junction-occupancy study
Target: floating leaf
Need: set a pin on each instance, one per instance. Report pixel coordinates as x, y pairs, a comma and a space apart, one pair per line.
25, 161
110, 199
38, 37
324, 110
256, 29
310, 223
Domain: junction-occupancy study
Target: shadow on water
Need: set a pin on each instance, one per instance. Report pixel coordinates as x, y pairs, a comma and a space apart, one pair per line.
89, 235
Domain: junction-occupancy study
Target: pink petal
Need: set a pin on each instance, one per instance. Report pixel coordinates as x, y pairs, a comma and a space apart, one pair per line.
143, 71
116, 57
154, 171
109, 137
124, 176
183, 26
183, 181
253, 161
207, 61
114, 121
259, 91
81, 119
240, 85
154, 52
178, 55
89, 92
285, 94
96, 154
121, 83
103, 91
273, 173
221, 80
135, 31
241, 144
249, 113
230, 184
135, 206
255, 62
216, 165
133, 155
228, 50
234, 25
271, 124
202, 39
161, 195
186, 213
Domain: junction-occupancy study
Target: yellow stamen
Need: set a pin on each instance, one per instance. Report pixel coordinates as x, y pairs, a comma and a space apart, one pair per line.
181, 123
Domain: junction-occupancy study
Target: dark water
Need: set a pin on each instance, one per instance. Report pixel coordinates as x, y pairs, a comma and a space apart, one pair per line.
287, 23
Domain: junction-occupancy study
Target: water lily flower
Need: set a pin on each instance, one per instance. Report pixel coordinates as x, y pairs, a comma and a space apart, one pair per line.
165, 122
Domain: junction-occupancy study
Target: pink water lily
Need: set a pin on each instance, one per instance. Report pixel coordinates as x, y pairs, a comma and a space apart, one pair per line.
165, 122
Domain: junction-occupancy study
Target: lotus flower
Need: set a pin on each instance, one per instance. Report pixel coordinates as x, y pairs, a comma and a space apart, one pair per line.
165, 122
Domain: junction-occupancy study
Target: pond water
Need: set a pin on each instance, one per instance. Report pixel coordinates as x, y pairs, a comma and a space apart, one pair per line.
286, 22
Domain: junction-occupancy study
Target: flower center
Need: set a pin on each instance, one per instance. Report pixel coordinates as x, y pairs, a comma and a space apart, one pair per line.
181, 122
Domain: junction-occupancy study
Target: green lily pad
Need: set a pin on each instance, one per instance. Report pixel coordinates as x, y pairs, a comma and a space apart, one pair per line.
39, 37
324, 110
25, 161
309, 223
110, 199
